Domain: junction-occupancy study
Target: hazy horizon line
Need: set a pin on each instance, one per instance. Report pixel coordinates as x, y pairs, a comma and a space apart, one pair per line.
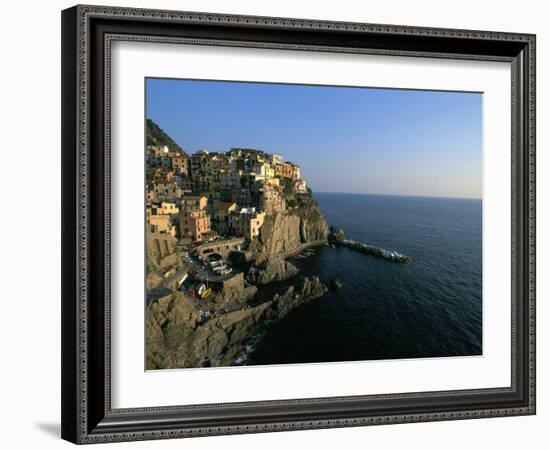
397, 195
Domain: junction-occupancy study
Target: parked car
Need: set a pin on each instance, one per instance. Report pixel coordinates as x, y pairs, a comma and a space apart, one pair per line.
219, 269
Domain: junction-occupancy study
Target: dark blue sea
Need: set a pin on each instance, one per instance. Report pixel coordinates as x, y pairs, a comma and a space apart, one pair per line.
429, 307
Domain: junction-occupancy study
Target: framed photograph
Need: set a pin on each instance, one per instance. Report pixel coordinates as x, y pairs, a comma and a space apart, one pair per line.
278, 224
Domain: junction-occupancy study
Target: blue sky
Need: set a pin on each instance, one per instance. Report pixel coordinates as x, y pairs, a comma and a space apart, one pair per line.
360, 140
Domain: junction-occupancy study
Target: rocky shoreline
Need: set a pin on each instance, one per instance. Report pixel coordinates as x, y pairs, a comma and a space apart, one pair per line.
225, 234
178, 335
183, 333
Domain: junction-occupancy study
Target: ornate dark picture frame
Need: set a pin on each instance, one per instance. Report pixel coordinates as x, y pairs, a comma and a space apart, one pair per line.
87, 33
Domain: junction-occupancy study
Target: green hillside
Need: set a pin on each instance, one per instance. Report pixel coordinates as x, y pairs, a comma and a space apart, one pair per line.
157, 136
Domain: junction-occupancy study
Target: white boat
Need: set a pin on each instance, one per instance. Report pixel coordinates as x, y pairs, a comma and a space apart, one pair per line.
182, 280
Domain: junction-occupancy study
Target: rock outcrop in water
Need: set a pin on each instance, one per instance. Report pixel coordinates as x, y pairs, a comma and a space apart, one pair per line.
308, 289
336, 235
335, 284
179, 336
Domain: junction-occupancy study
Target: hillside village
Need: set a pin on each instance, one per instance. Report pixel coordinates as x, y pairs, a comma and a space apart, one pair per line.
219, 226
207, 194
213, 204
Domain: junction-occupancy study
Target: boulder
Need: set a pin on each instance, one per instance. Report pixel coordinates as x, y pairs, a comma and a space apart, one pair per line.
308, 289
335, 284
272, 269
336, 235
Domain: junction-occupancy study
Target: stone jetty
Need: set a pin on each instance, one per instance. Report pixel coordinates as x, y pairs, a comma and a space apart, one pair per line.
390, 255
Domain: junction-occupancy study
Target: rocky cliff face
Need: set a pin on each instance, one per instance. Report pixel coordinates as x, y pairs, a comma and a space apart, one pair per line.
177, 336
279, 234
161, 255
284, 233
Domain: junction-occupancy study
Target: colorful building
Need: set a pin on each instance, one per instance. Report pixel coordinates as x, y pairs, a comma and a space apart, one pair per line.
247, 222
162, 223
194, 224
180, 164
283, 170
168, 208
220, 216
193, 202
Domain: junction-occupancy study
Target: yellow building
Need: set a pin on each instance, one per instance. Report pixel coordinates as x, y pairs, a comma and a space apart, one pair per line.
162, 223
247, 222
269, 172
192, 202
158, 151
273, 182
283, 170
168, 208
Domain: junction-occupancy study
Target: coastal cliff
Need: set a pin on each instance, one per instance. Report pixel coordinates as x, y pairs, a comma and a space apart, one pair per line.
220, 226
300, 226
178, 336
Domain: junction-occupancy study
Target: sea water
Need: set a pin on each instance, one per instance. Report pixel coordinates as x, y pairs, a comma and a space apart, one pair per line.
429, 307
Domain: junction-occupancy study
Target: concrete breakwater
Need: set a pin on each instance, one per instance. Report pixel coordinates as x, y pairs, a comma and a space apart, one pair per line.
362, 247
